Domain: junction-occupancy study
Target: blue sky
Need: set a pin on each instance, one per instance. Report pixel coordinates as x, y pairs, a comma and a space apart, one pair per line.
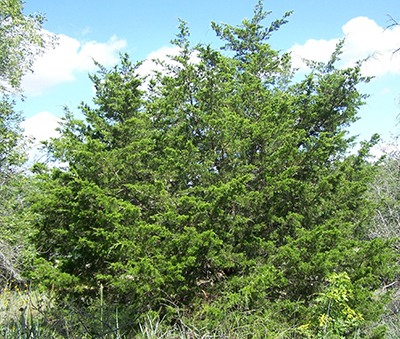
101, 28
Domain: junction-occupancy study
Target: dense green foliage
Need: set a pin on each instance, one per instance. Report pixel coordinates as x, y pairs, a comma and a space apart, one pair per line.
218, 185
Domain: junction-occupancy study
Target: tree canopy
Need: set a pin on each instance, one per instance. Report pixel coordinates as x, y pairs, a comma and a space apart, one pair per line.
218, 182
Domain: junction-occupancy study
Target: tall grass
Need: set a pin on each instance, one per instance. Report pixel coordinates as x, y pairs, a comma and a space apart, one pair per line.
23, 311
29, 311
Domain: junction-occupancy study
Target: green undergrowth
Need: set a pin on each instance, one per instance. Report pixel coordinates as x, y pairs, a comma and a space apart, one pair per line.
28, 310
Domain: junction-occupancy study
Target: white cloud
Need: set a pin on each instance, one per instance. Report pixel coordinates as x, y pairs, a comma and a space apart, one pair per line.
317, 50
69, 56
364, 39
41, 127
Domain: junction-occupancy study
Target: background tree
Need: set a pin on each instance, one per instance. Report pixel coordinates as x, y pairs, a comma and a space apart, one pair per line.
11, 181
385, 193
21, 39
385, 186
217, 184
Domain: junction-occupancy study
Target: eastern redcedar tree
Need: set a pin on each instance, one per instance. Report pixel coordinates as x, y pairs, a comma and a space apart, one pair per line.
217, 178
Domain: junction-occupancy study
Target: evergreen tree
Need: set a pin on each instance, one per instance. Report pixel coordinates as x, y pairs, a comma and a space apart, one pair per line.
215, 180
